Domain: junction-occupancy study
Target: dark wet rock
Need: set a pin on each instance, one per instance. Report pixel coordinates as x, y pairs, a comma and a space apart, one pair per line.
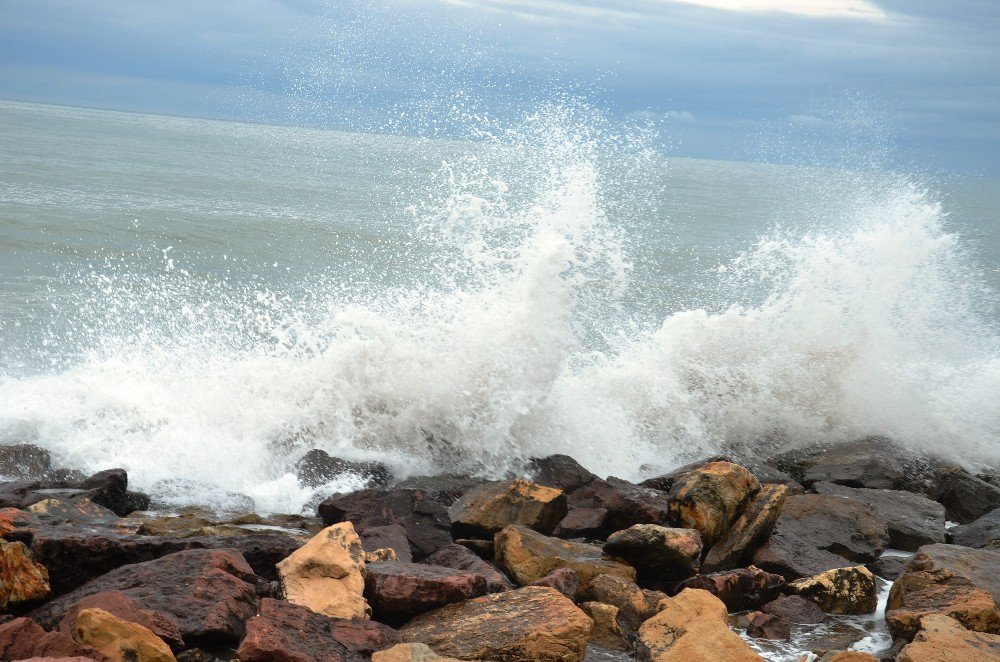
626, 504
390, 536
790, 556
842, 526
657, 552
749, 532
912, 520
527, 556
635, 605
118, 604
564, 580
768, 626
849, 590
981, 533
106, 488
444, 488
484, 549
484, 510
741, 589
428, 528
583, 523
209, 593
24, 462
766, 474
889, 567
110, 489
399, 591
795, 609
710, 498
873, 462
559, 471
317, 467
836, 638
23, 639
462, 558
283, 632
965, 497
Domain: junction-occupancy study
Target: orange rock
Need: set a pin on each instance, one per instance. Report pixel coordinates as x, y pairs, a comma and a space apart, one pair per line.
943, 639
749, 532
842, 591
916, 594
484, 510
22, 581
120, 640
527, 556
710, 498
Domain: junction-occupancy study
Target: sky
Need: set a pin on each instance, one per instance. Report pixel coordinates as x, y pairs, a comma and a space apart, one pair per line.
738, 79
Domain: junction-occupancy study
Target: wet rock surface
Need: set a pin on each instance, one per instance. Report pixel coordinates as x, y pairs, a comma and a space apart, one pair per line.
943, 639
317, 467
739, 590
485, 510
965, 497
983, 532
657, 551
559, 471
792, 557
624, 503
753, 527
23, 639
842, 591
460, 557
844, 527
398, 591
527, 556
709, 498
692, 626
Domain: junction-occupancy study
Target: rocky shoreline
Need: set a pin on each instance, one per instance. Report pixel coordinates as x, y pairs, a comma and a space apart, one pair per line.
713, 561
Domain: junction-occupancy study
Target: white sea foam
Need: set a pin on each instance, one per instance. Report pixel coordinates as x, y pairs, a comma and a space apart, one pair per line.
521, 343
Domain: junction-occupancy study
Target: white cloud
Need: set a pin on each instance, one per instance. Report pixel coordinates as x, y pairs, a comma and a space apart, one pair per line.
816, 8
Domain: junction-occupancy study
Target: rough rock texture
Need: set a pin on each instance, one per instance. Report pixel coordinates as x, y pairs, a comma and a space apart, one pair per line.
399, 591
981, 533
795, 609
741, 589
626, 504
841, 591
445, 489
842, 526
527, 624
912, 520
768, 626
965, 497
559, 471
391, 536
428, 528
608, 634
657, 552
107, 488
874, 462
410, 653
711, 497
792, 557
283, 632
327, 574
666, 481
460, 557
484, 510
889, 567
635, 605
846, 656
980, 566
208, 593
527, 556
22, 639
119, 639
692, 626
118, 604
317, 468
583, 523
564, 580
749, 532
943, 639
23, 582
24, 462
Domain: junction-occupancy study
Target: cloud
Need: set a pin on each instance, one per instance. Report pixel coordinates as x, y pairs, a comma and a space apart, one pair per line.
805, 120
857, 9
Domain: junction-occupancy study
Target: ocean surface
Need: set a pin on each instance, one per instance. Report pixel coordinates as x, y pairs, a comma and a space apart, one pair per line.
202, 302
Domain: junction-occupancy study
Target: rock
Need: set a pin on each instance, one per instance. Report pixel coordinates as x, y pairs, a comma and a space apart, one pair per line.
766, 474
284, 632
445, 489
428, 528
23, 639
23, 582
564, 580
583, 523
484, 510
107, 488
790, 556
795, 609
873, 462
692, 626
842, 591
912, 520
410, 653
209, 594
665, 482
741, 589
965, 497
484, 549
110, 489
711, 497
462, 558
842, 526
980, 566
749, 532
889, 567
768, 626
16, 524
626, 504
318, 468
24, 462
559, 471
657, 552
119, 639
391, 536
635, 605
532, 623
847, 656
527, 556
608, 634
981, 533
399, 591
327, 574
118, 604
943, 639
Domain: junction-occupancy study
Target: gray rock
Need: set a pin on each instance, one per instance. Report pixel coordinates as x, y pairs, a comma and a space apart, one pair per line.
983, 532
842, 526
965, 497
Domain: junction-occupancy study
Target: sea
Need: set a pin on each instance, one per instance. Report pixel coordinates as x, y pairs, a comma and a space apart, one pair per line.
202, 302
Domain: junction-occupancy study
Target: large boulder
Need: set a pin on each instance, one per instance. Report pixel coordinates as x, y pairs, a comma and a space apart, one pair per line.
559, 471
980, 566
327, 574
635, 605
849, 590
583, 523
209, 594
624, 504
965, 497
317, 467
981, 533
792, 557
741, 589
484, 510
657, 552
912, 520
118, 604
23, 639
943, 639
283, 632
711, 497
528, 624
527, 556
462, 558
749, 532
692, 626
390, 536
842, 526
445, 489
23, 582
108, 488
399, 591
120, 639
768, 626
874, 462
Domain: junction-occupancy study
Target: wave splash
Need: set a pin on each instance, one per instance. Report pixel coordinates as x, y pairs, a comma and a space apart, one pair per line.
526, 339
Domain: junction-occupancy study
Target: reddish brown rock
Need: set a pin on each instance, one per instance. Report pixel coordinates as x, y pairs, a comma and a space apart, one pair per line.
583, 523
564, 580
398, 591
768, 626
626, 504
795, 609
917, 593
635, 605
739, 590
943, 639
711, 497
979, 566
657, 552
22, 638
749, 532
842, 526
484, 510
283, 632
527, 556
23, 582
410, 653
117, 603
460, 557
13, 520
848, 590
559, 471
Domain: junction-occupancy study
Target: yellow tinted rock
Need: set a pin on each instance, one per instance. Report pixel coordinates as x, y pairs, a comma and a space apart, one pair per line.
120, 640
327, 574
22, 580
